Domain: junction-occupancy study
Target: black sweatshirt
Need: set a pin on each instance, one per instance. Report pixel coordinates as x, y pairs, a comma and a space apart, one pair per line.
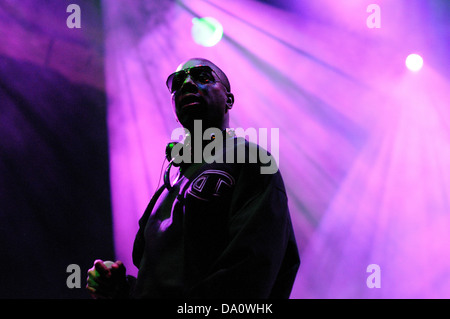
223, 231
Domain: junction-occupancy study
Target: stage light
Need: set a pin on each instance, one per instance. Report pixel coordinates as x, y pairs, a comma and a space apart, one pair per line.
206, 31
414, 62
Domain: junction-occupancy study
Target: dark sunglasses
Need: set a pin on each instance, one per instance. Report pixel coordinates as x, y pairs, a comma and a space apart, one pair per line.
200, 74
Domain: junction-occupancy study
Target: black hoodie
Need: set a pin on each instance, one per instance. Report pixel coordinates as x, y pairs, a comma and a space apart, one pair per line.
222, 231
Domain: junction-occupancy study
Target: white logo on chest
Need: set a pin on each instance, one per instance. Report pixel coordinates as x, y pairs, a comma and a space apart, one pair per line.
210, 183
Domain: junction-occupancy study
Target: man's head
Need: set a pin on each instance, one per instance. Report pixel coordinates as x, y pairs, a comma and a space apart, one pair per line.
201, 91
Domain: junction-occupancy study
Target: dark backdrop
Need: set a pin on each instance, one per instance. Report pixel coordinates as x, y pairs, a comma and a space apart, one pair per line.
54, 170
54, 189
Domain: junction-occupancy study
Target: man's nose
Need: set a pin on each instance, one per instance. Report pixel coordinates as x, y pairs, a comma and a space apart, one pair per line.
188, 84
189, 79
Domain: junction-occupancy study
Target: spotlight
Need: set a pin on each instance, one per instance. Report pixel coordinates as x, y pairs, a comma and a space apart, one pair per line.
206, 31
414, 62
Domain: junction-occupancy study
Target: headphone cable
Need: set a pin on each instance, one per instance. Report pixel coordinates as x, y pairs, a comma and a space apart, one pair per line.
160, 173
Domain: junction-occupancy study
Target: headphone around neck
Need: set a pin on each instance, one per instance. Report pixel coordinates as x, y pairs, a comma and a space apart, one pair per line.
228, 133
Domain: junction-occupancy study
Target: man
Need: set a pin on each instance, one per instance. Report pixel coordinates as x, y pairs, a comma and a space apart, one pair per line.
222, 229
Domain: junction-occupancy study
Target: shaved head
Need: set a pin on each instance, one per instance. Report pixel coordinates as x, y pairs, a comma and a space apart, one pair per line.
208, 100
200, 61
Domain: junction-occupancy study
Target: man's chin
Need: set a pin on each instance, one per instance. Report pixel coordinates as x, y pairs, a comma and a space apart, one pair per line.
188, 116
189, 121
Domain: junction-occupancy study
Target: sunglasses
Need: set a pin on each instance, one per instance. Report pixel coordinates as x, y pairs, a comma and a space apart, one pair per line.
202, 74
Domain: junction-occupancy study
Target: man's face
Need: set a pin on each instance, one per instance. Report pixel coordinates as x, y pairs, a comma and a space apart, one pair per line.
201, 96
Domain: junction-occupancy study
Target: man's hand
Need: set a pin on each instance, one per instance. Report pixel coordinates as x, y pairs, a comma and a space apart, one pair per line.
105, 282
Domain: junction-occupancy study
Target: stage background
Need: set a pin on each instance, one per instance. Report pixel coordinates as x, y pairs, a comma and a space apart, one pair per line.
55, 207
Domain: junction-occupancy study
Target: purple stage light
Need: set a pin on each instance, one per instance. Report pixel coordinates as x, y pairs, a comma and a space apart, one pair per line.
414, 62
206, 31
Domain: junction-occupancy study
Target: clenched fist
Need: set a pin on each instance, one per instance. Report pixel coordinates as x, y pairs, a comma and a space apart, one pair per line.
107, 280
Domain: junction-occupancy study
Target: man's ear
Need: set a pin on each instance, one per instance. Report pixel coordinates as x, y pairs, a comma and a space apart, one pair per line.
230, 100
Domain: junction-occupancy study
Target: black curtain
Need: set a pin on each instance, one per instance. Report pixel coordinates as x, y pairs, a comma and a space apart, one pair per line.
54, 183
